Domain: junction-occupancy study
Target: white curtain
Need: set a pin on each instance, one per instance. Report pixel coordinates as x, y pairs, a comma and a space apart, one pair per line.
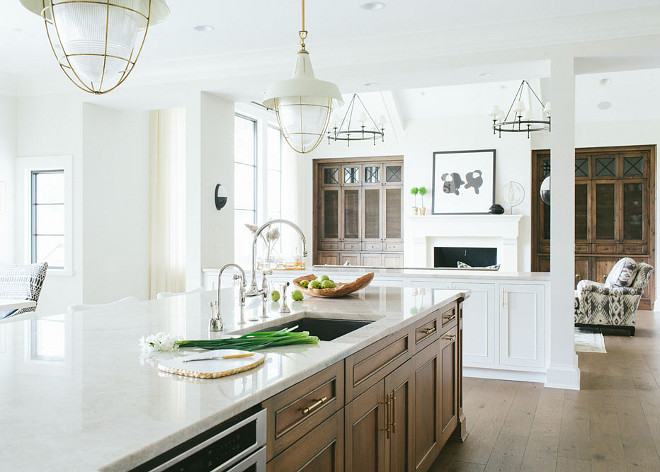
167, 202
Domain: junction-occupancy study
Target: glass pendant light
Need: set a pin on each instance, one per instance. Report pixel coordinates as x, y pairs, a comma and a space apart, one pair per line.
97, 42
303, 103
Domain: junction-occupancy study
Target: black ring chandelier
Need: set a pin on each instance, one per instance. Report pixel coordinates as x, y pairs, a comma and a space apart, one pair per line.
517, 118
346, 132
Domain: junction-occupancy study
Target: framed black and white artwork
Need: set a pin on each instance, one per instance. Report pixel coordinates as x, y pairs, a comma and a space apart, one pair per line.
463, 182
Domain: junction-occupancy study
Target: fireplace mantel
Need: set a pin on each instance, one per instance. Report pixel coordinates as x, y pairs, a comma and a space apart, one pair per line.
423, 233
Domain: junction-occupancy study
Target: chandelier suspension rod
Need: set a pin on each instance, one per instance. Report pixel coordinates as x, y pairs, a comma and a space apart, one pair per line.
519, 92
373, 122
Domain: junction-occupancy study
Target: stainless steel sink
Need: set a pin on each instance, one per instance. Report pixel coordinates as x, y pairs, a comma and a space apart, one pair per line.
326, 329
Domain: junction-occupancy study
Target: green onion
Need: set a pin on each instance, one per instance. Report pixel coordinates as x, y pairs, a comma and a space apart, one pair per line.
254, 341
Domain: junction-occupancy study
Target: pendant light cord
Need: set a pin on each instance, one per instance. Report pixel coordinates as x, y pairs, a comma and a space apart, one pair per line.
303, 33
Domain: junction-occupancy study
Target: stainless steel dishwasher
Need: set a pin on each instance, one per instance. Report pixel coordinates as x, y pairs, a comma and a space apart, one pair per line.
236, 445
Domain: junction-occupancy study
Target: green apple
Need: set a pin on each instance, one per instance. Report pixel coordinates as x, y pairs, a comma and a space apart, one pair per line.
328, 284
304, 283
275, 295
296, 295
324, 277
315, 284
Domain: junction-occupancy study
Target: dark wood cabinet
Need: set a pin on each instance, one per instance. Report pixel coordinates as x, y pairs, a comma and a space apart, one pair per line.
614, 211
358, 218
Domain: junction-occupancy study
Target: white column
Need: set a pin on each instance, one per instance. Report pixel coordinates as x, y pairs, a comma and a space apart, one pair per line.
563, 370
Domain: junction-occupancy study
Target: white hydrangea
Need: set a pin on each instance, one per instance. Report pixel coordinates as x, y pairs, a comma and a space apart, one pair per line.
160, 342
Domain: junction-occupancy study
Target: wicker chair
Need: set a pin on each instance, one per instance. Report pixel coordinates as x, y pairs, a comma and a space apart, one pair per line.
21, 282
614, 303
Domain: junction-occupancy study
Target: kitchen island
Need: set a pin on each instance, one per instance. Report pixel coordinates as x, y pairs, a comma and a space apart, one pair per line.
78, 394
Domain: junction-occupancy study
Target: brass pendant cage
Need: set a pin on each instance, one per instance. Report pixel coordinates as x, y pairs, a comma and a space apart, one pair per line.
306, 136
107, 65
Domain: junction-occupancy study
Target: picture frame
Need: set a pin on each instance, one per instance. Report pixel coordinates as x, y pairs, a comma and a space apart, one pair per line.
463, 182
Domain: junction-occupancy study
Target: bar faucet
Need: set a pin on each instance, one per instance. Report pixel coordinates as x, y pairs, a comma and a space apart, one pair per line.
254, 291
215, 323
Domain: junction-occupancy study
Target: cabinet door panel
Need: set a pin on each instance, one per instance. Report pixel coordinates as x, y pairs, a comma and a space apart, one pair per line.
329, 258
351, 225
364, 433
393, 260
581, 269
428, 406
605, 212
634, 203
582, 211
602, 268
392, 220
321, 450
351, 258
400, 384
330, 209
449, 349
521, 325
479, 324
371, 259
371, 216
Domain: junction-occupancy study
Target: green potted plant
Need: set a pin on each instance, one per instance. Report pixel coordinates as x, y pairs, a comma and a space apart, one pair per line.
422, 192
414, 191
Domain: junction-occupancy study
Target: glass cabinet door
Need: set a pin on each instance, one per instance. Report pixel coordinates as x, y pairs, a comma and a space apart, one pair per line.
633, 210
581, 211
372, 214
330, 220
372, 174
351, 175
351, 213
392, 221
605, 214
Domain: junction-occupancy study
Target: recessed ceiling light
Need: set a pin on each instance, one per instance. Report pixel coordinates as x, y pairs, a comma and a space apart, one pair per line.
604, 105
372, 5
605, 81
485, 74
16, 30
370, 84
203, 28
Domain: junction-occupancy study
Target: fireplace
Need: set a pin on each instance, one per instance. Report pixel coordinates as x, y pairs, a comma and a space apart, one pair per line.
472, 256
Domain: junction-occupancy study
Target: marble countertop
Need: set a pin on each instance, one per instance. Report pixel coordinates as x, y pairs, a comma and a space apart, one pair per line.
79, 394
412, 273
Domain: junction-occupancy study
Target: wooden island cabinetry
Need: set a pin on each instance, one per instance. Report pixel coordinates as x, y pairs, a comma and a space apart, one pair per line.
388, 407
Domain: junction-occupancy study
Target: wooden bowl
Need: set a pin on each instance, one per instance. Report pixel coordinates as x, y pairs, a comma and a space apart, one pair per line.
339, 291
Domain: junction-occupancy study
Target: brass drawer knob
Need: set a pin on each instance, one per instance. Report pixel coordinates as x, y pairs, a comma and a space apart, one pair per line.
449, 337
428, 331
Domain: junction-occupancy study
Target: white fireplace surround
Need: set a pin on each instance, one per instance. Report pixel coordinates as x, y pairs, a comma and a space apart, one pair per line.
423, 233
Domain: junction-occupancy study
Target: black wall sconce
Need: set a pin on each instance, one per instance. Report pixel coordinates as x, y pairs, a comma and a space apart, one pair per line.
220, 197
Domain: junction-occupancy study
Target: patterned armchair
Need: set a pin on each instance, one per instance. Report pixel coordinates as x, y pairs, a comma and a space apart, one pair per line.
21, 282
614, 303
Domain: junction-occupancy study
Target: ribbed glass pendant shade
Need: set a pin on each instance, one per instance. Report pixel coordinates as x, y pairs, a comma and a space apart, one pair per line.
97, 42
303, 120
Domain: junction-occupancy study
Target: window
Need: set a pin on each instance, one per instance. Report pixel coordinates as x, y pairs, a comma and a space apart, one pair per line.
274, 160
245, 186
45, 212
47, 240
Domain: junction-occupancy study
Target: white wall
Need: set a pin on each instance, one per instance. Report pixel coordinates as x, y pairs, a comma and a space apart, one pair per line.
49, 126
115, 204
7, 154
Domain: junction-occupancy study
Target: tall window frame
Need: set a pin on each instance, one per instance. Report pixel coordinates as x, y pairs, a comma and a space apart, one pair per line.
25, 168
274, 172
245, 168
36, 208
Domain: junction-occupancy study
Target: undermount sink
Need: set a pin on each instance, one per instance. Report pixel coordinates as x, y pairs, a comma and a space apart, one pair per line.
326, 329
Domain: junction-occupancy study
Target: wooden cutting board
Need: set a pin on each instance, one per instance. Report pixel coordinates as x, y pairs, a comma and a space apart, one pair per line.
214, 368
339, 291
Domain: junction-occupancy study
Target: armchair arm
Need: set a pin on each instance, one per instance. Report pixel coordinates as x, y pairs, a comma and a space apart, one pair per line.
602, 289
591, 286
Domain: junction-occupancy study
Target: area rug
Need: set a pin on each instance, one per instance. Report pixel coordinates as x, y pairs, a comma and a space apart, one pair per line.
589, 340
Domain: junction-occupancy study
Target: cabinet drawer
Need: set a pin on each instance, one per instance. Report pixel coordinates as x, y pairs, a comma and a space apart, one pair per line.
604, 248
635, 249
351, 246
583, 248
373, 363
448, 318
329, 245
393, 246
321, 449
376, 246
299, 409
426, 332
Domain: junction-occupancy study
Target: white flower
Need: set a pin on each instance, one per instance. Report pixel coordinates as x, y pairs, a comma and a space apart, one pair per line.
160, 342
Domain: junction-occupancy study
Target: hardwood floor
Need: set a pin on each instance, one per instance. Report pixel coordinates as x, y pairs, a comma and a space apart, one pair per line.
612, 424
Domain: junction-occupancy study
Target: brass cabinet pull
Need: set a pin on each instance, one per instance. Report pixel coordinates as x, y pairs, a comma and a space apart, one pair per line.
448, 318
449, 337
315, 405
387, 404
393, 412
577, 276
428, 331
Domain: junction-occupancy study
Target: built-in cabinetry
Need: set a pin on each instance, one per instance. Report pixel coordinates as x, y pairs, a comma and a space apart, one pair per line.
358, 212
614, 211
389, 407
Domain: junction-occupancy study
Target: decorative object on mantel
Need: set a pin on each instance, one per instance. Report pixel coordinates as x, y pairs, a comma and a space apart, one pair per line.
422, 192
303, 103
522, 120
368, 129
97, 42
496, 209
340, 290
545, 190
414, 191
513, 194
463, 182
